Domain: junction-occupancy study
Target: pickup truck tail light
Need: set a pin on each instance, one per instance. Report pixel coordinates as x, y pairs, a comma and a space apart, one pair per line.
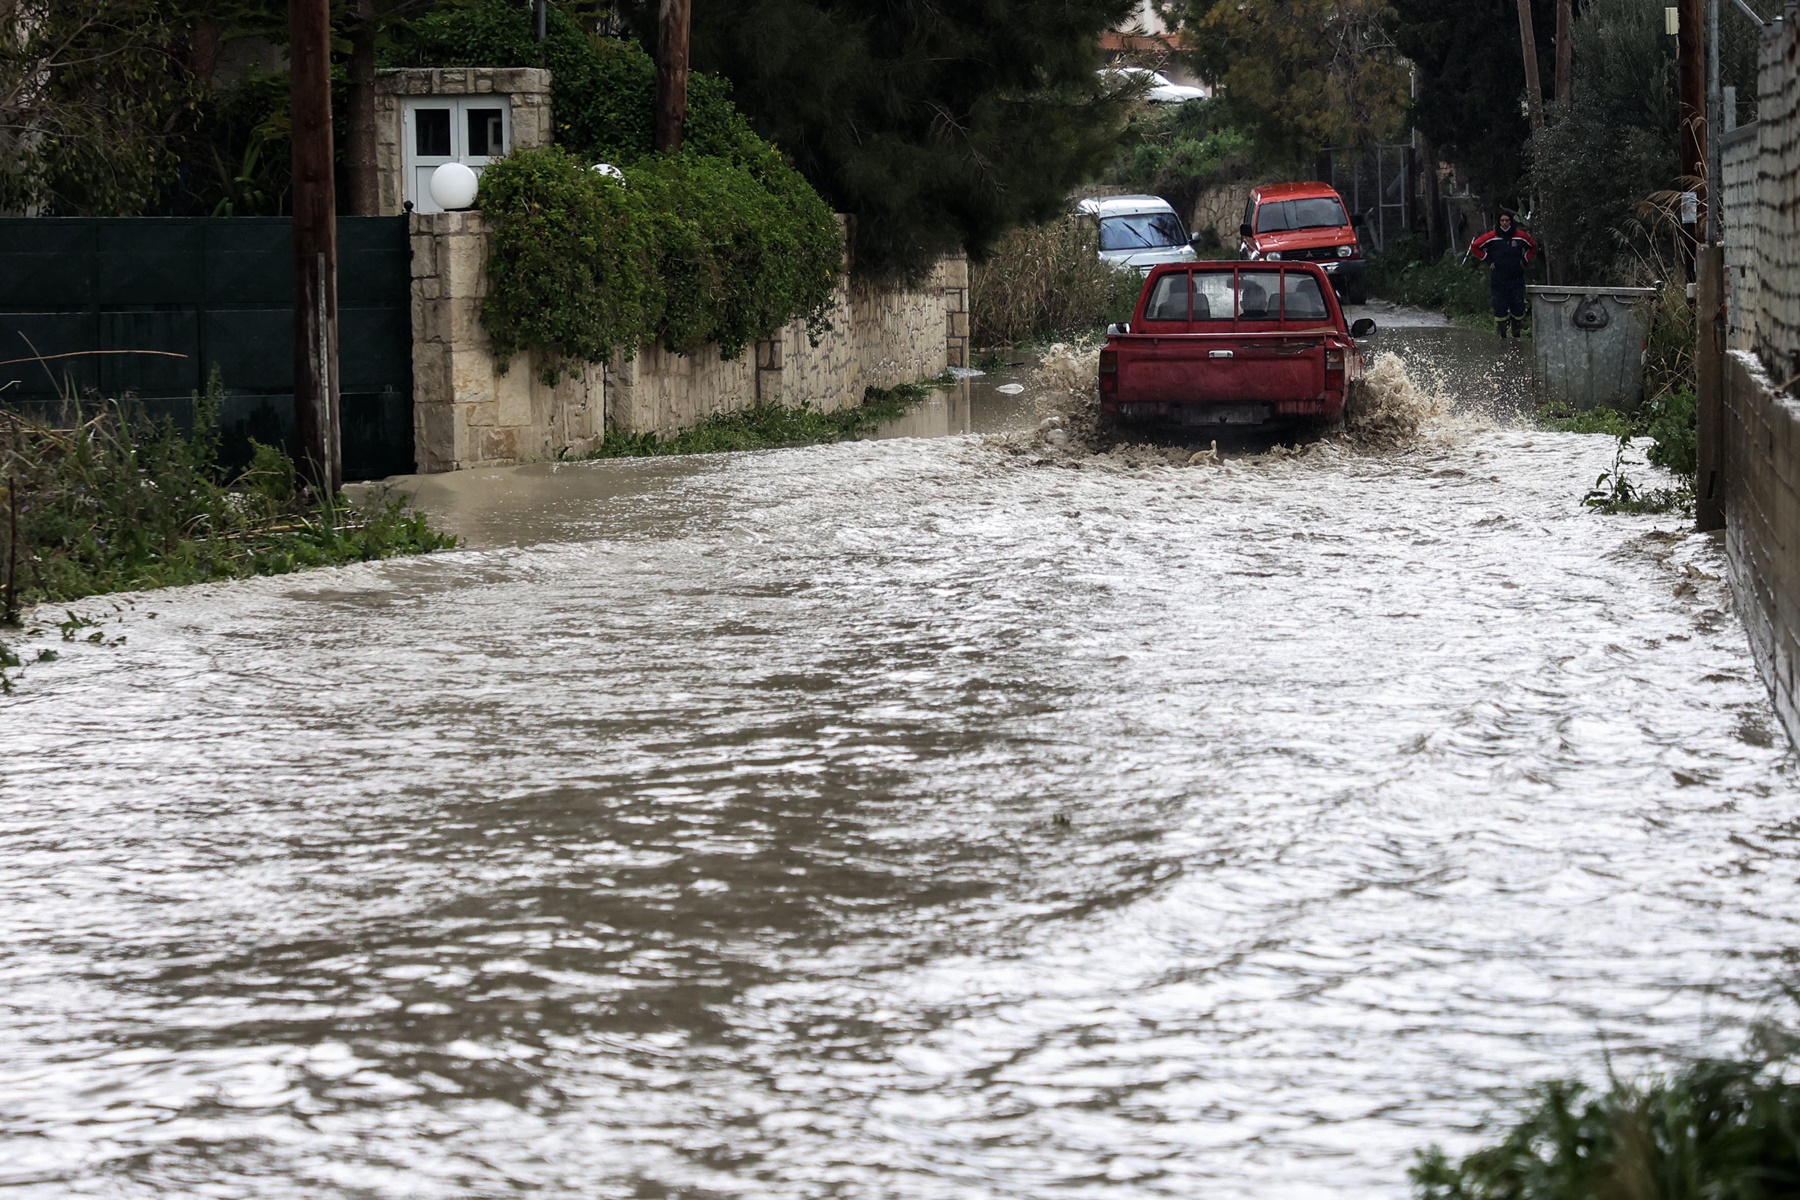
1334, 360
1109, 371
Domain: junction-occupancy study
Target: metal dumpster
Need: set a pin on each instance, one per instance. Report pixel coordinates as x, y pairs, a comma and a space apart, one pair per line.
1590, 344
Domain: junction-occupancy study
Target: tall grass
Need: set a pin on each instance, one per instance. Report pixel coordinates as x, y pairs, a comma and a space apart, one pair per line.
1047, 281
1715, 1131
110, 500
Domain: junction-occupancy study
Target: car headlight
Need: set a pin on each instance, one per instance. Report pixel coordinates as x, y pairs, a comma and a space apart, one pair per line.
1273, 256
1344, 252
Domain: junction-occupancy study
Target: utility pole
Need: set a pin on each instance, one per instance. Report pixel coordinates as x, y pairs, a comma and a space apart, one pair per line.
315, 247
1534, 86
1565, 50
672, 74
1690, 54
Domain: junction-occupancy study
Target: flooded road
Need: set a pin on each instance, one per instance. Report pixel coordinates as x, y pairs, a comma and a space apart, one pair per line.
892, 819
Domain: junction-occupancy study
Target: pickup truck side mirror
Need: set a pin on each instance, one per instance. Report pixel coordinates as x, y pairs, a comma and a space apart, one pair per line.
1244, 230
1357, 220
1362, 327
1117, 328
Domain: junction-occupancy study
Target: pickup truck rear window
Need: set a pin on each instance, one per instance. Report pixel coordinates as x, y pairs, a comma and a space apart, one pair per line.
1304, 301
1246, 295
1324, 212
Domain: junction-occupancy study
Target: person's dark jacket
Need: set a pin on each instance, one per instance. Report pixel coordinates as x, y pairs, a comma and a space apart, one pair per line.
1508, 252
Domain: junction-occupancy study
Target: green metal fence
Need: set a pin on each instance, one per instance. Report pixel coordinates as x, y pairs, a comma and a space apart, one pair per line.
206, 294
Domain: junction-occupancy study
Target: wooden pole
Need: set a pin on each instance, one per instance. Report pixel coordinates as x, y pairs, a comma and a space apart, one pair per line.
1709, 355
1534, 86
359, 115
672, 74
315, 247
1565, 50
1690, 51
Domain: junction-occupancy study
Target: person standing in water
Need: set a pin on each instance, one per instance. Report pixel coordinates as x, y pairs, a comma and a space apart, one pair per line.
1506, 249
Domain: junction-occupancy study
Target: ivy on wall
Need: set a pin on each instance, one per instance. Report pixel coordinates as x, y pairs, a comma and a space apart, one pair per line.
723, 242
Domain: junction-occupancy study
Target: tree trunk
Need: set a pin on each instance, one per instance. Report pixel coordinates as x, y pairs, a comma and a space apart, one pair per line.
1432, 199
359, 116
1534, 87
1565, 50
672, 74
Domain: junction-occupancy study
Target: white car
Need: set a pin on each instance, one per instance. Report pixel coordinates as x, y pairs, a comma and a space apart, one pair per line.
1161, 90
1138, 232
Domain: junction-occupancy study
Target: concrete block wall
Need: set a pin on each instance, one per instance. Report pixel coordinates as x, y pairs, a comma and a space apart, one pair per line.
1760, 417
1739, 158
466, 411
1762, 524
1773, 300
527, 90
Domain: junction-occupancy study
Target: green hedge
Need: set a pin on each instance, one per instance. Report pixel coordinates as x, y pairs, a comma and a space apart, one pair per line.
722, 243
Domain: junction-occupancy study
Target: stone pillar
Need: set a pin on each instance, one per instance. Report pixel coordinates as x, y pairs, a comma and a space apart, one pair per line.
467, 412
527, 90
771, 362
953, 277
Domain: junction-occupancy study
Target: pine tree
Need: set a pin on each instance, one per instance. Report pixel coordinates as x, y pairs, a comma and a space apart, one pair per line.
937, 126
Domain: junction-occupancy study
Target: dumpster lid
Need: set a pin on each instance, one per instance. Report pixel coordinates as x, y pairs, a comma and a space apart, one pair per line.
1564, 292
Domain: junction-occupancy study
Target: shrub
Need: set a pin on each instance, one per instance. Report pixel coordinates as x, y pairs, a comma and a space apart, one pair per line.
687, 250
1045, 281
723, 242
1449, 285
1613, 143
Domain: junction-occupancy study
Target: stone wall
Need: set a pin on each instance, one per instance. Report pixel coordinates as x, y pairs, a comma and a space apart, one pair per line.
527, 90
879, 337
467, 412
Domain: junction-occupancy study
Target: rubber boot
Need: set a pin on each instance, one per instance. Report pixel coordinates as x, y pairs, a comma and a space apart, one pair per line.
1500, 327
1518, 324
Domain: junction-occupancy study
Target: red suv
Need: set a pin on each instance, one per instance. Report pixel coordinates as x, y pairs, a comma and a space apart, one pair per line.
1306, 222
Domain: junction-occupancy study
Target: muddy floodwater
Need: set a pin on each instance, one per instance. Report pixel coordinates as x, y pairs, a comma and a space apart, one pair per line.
913, 818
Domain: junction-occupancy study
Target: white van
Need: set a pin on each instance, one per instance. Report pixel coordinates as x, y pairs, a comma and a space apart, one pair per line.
1138, 232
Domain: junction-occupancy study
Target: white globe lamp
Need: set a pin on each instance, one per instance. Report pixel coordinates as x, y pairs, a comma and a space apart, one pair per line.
453, 186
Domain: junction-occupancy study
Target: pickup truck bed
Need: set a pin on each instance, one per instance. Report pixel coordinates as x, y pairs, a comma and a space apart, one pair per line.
1232, 343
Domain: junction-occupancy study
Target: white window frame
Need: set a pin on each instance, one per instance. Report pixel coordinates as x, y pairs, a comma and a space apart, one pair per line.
417, 168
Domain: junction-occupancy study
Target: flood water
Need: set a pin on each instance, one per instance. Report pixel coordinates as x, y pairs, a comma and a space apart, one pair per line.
894, 819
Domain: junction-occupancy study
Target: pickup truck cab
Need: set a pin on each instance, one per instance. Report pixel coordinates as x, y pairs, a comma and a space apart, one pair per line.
1233, 343
1305, 222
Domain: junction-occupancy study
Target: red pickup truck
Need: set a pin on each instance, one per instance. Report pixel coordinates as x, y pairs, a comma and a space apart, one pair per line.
1232, 343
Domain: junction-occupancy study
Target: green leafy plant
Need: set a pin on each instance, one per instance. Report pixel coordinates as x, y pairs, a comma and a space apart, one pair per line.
1615, 492
686, 250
